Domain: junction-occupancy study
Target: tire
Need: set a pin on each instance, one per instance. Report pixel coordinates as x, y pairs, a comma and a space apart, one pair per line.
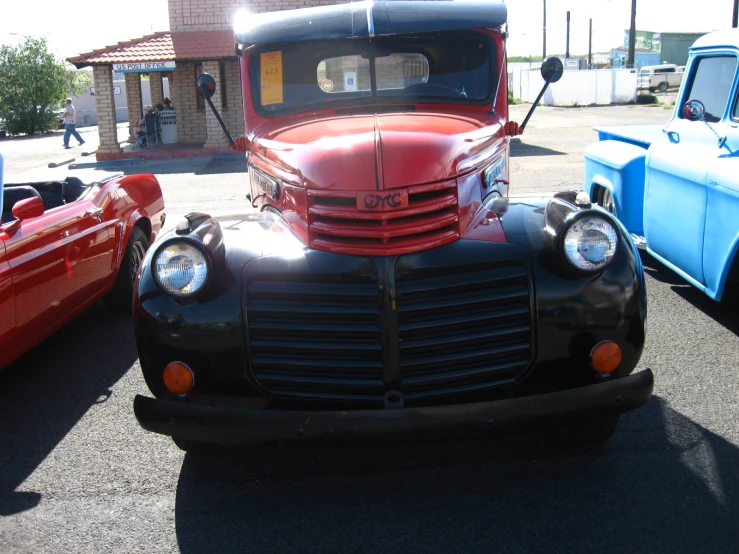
120, 298
590, 434
663, 87
605, 200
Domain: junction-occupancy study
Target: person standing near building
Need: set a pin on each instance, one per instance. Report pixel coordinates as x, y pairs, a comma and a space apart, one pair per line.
69, 119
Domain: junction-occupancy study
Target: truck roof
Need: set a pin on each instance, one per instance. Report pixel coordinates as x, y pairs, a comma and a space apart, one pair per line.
727, 38
367, 19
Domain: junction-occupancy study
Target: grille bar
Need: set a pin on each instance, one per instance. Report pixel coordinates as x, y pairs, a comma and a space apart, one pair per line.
463, 328
315, 337
431, 219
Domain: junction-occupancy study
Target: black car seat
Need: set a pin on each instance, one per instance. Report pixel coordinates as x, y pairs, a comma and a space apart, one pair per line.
12, 195
72, 189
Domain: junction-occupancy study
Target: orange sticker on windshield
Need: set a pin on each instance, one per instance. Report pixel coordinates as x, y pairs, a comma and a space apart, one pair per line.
271, 63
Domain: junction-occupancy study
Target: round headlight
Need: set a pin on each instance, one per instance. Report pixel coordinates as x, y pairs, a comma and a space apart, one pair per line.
590, 243
181, 269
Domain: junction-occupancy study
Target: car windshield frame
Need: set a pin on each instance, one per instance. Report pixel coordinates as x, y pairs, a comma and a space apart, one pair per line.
710, 91
372, 49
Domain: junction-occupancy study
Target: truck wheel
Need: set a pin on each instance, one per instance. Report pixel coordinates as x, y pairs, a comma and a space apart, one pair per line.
589, 434
605, 200
120, 298
663, 87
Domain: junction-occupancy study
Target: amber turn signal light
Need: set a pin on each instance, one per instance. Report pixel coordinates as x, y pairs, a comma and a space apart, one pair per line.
178, 378
605, 357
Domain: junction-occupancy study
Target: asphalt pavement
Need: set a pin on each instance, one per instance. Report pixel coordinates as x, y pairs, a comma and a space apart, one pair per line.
77, 474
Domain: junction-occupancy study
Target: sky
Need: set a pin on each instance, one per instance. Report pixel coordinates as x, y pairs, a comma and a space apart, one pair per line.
74, 27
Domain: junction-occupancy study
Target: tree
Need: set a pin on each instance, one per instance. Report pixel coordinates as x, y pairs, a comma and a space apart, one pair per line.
32, 83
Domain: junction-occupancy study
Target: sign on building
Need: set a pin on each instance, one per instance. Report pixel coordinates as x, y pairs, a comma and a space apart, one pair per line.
143, 67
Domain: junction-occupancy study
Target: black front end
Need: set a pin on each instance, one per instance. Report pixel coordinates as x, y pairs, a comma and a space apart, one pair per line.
313, 345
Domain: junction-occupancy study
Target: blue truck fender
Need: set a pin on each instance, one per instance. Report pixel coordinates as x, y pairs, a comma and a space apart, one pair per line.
618, 167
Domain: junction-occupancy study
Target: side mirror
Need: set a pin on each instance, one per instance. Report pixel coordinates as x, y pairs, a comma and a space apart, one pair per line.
206, 85
552, 70
28, 208
694, 110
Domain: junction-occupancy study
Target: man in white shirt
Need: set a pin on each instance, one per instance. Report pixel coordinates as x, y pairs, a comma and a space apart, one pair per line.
69, 119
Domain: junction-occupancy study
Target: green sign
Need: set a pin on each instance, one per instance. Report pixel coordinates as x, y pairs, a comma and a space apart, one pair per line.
645, 40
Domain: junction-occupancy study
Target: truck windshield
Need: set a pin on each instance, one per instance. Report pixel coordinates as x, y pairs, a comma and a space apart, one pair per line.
444, 68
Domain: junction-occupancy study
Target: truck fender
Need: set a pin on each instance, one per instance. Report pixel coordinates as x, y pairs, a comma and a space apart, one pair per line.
619, 167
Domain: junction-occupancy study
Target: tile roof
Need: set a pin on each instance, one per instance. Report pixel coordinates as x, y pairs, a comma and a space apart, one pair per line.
163, 46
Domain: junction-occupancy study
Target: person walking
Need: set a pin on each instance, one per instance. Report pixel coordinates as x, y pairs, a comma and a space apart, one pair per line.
69, 119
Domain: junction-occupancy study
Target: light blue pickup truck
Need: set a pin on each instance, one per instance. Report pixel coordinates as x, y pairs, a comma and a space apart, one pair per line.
676, 188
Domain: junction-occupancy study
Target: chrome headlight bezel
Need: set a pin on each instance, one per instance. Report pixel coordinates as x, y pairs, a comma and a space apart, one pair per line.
577, 218
192, 243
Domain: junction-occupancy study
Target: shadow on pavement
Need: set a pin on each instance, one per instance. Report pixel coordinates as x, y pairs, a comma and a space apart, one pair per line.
724, 312
47, 391
662, 484
521, 149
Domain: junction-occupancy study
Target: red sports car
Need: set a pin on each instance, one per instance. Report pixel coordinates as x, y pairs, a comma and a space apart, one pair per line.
66, 242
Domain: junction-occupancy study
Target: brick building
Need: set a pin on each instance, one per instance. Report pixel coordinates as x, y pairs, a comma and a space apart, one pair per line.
200, 40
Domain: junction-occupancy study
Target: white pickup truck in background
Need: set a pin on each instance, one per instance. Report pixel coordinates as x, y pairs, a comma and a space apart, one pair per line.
660, 77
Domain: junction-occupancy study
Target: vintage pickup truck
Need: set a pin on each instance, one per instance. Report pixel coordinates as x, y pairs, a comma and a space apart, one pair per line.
676, 187
389, 284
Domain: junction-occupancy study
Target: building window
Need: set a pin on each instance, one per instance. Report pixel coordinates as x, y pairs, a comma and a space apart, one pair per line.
198, 98
222, 83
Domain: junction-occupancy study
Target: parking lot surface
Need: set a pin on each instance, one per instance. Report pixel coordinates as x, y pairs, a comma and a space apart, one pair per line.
77, 474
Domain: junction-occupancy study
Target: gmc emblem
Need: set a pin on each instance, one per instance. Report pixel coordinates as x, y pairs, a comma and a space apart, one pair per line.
382, 200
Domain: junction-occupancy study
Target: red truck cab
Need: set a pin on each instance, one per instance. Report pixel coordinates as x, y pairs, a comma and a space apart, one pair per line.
378, 144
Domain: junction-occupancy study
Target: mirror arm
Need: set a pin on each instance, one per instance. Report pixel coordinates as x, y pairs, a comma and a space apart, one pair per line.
721, 140
536, 103
218, 116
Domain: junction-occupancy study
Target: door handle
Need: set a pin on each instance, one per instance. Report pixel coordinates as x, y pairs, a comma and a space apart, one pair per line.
96, 213
673, 136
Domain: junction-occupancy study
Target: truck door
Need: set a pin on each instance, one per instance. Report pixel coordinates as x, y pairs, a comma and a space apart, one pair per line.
677, 169
722, 223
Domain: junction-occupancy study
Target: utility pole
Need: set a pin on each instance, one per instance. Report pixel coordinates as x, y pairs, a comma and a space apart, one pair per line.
544, 52
590, 45
632, 35
735, 17
567, 52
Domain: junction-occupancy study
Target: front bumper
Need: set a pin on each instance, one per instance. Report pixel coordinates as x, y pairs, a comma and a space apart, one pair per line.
238, 426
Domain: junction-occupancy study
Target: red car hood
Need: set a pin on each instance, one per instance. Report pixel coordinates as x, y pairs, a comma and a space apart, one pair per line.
377, 151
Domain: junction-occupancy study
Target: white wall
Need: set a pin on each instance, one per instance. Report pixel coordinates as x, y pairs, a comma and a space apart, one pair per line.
598, 86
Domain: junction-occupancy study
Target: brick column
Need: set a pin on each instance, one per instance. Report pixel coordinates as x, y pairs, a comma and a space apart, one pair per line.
233, 115
214, 135
133, 100
105, 108
157, 88
190, 118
